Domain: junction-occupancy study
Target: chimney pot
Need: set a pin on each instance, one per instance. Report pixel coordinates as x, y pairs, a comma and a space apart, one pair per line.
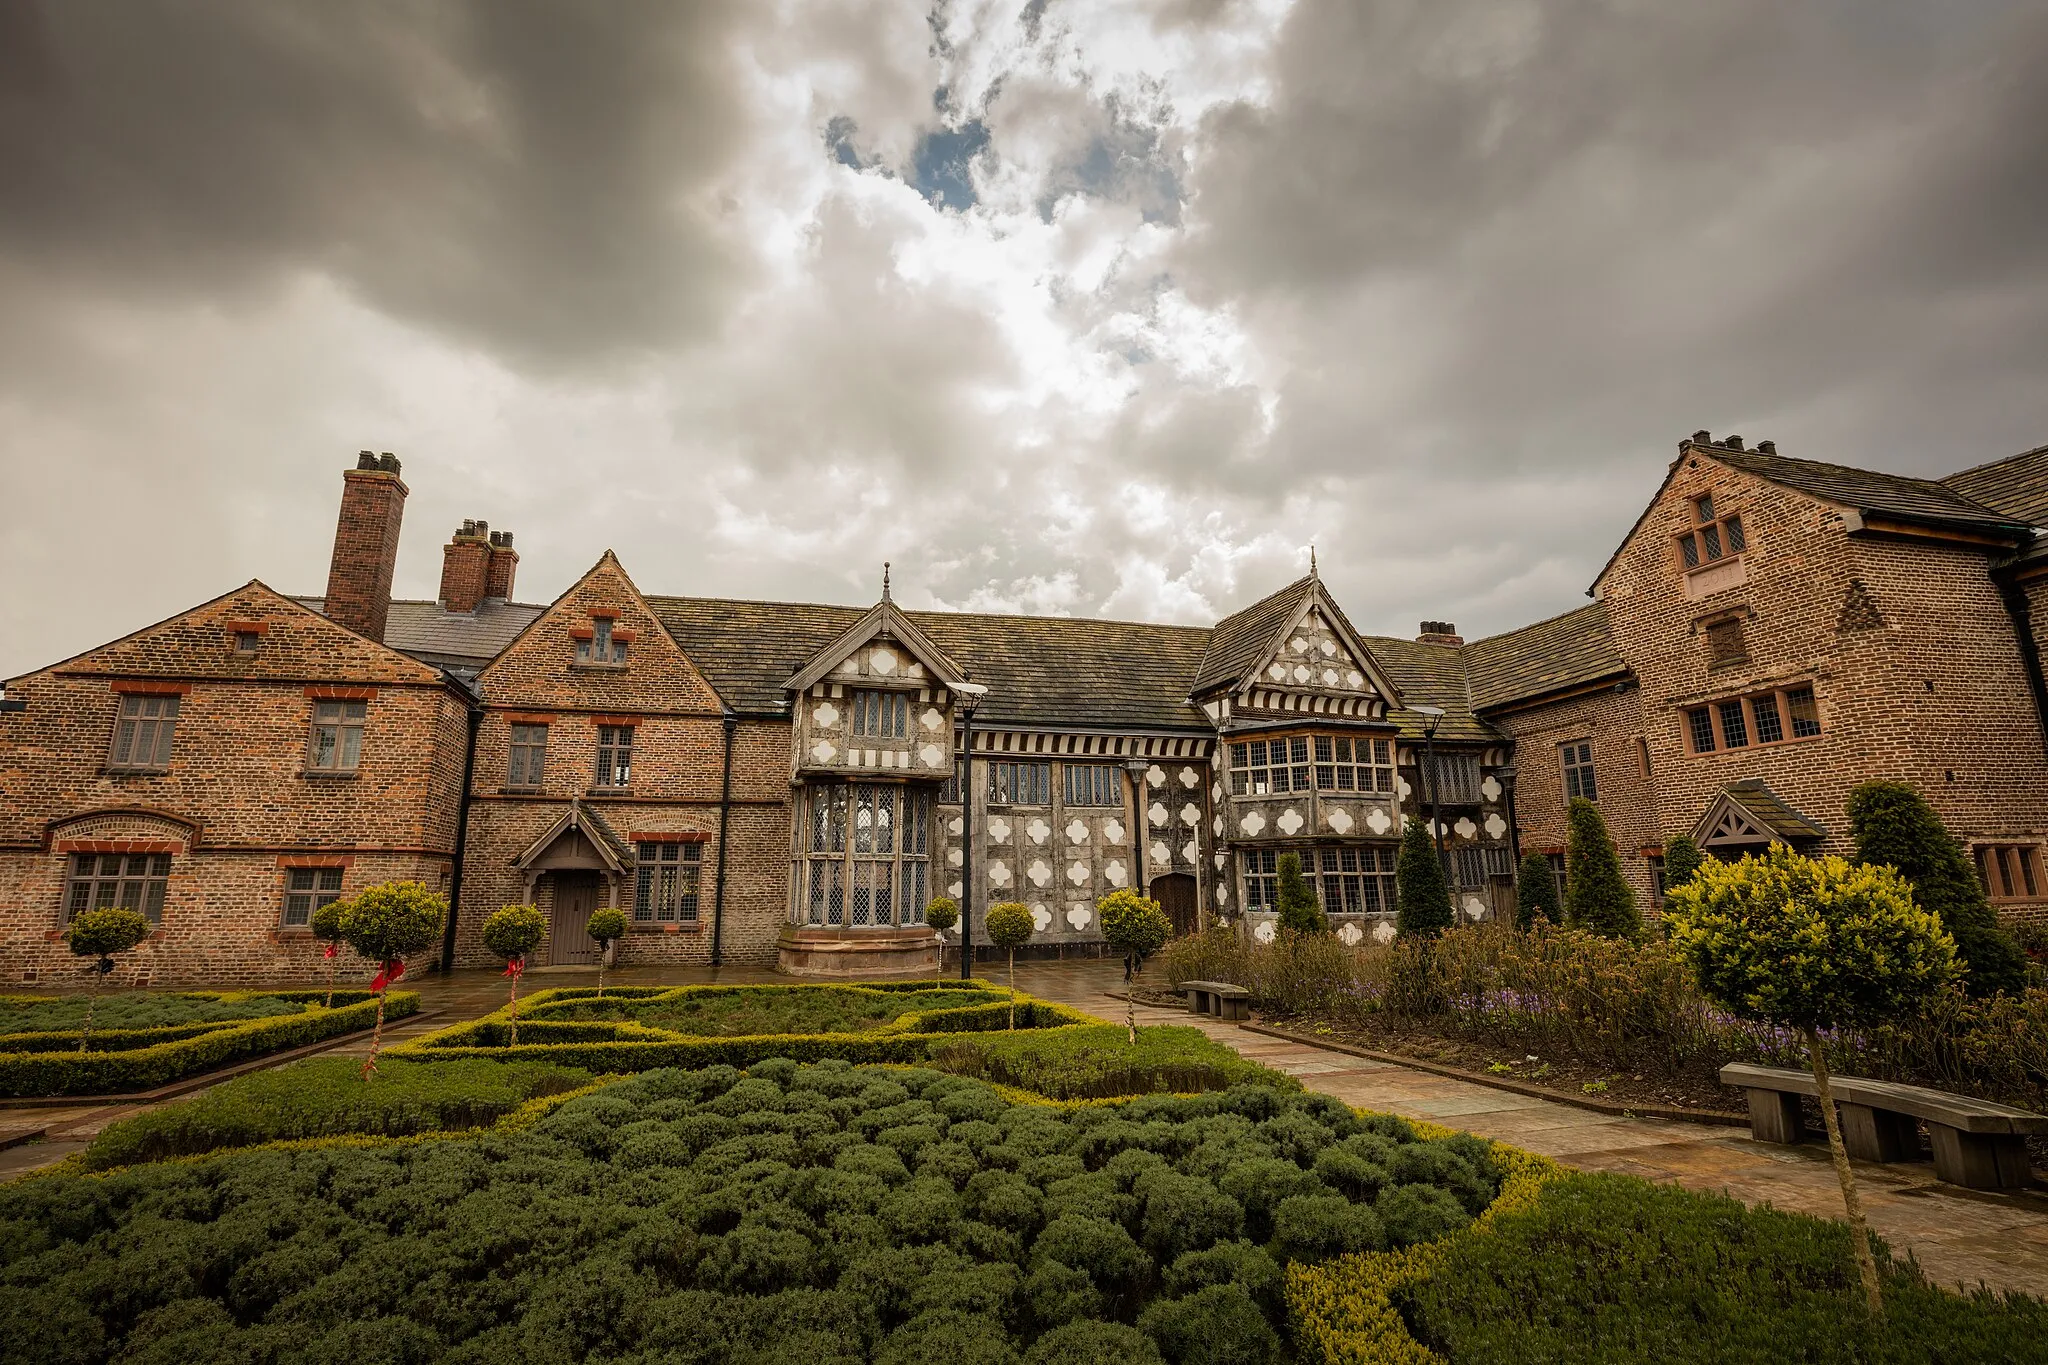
388, 463
1733, 442
1767, 447
1703, 438
465, 568
504, 563
365, 546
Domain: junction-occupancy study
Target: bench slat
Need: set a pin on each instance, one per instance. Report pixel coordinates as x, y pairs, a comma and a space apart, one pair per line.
1214, 988
1937, 1106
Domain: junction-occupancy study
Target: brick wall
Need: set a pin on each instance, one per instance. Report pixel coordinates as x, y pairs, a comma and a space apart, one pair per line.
1612, 719
366, 545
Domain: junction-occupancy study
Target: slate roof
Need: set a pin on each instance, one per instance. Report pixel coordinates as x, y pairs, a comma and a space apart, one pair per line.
1429, 675
1040, 670
1869, 490
1563, 651
2016, 486
1238, 640
449, 638
1771, 811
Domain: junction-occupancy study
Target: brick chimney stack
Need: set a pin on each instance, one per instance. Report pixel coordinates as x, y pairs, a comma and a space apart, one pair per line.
366, 544
466, 566
1439, 633
504, 564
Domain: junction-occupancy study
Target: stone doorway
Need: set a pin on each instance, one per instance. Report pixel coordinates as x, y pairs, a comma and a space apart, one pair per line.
569, 941
1175, 893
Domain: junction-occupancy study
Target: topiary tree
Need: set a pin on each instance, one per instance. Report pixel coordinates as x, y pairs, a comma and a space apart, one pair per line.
1136, 928
1009, 927
1682, 858
386, 923
1596, 897
1536, 893
512, 933
1299, 909
1813, 944
1423, 901
607, 926
940, 915
100, 934
1894, 826
326, 927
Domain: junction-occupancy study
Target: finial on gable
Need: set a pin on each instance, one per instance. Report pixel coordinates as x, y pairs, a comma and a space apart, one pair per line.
885, 580
1311, 559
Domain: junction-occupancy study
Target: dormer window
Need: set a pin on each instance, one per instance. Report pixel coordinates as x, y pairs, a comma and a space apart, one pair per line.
1713, 537
602, 643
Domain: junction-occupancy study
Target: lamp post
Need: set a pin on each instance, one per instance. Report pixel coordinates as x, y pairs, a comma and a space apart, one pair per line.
1137, 768
970, 695
1432, 716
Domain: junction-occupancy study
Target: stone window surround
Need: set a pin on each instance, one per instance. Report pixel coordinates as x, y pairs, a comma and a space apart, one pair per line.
1716, 535
1756, 721
2020, 876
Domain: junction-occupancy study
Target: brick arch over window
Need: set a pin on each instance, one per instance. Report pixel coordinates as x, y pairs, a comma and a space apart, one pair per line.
122, 824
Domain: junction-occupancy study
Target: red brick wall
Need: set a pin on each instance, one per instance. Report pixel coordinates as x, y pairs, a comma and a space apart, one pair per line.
465, 570
365, 549
236, 796
1612, 720
1935, 695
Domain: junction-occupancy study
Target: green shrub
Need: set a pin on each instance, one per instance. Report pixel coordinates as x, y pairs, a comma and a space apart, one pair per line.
1094, 1062
1094, 1343
1315, 1227
129, 1069
321, 1097
1682, 859
141, 1010
942, 914
1894, 826
1536, 893
1134, 927
1010, 926
1219, 1325
1422, 899
1596, 896
1607, 1269
1296, 901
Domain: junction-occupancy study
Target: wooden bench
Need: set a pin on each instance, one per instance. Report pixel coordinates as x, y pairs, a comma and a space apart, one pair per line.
1976, 1143
1219, 998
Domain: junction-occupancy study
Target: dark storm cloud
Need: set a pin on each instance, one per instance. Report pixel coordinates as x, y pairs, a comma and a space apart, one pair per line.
523, 175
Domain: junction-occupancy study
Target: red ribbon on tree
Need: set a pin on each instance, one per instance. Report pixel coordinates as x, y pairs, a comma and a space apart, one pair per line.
515, 966
332, 949
387, 974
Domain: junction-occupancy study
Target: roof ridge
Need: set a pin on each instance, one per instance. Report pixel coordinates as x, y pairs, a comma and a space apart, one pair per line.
1594, 605
946, 612
1992, 464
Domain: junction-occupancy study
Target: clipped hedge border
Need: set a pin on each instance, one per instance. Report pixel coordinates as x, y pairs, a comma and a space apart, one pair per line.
1343, 1309
608, 1046
126, 1071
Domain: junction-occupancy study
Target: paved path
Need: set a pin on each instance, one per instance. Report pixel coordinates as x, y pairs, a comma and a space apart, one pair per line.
1960, 1236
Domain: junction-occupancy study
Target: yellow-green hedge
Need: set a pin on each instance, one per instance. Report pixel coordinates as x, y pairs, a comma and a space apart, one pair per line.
624, 1046
124, 1070
1343, 1309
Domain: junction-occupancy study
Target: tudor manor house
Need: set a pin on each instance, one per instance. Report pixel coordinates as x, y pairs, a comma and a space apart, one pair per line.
785, 783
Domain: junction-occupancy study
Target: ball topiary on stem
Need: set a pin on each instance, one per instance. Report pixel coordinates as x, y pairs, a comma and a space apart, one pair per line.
940, 915
512, 933
386, 923
1813, 944
1423, 900
1596, 897
1009, 927
1894, 826
326, 927
1299, 909
1536, 893
607, 926
1136, 927
100, 934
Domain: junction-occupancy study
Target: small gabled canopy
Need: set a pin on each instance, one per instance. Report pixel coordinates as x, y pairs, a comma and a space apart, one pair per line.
1747, 813
1243, 642
884, 621
579, 818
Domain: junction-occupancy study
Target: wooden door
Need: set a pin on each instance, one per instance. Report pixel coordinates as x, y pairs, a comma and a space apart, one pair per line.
569, 940
1175, 893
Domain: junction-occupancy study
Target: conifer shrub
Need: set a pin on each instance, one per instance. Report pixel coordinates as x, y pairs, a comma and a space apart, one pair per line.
1894, 826
1423, 900
1536, 894
1299, 909
1596, 896
1682, 859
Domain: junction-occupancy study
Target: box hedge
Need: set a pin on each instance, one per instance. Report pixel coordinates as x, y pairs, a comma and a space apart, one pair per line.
35, 1070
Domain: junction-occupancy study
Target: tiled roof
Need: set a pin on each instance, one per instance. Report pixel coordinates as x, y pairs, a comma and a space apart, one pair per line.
1040, 670
1563, 651
1867, 489
1428, 675
2016, 486
1238, 640
1771, 811
425, 631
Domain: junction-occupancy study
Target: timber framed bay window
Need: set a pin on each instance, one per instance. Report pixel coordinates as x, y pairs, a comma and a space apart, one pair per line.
1265, 767
1341, 763
666, 882
142, 733
867, 855
1345, 764
1780, 716
1714, 536
133, 881
1347, 879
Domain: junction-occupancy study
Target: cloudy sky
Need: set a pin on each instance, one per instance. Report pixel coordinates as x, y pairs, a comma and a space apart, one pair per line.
1070, 306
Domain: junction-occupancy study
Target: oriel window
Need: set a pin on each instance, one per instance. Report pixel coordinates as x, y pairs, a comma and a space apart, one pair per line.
881, 715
